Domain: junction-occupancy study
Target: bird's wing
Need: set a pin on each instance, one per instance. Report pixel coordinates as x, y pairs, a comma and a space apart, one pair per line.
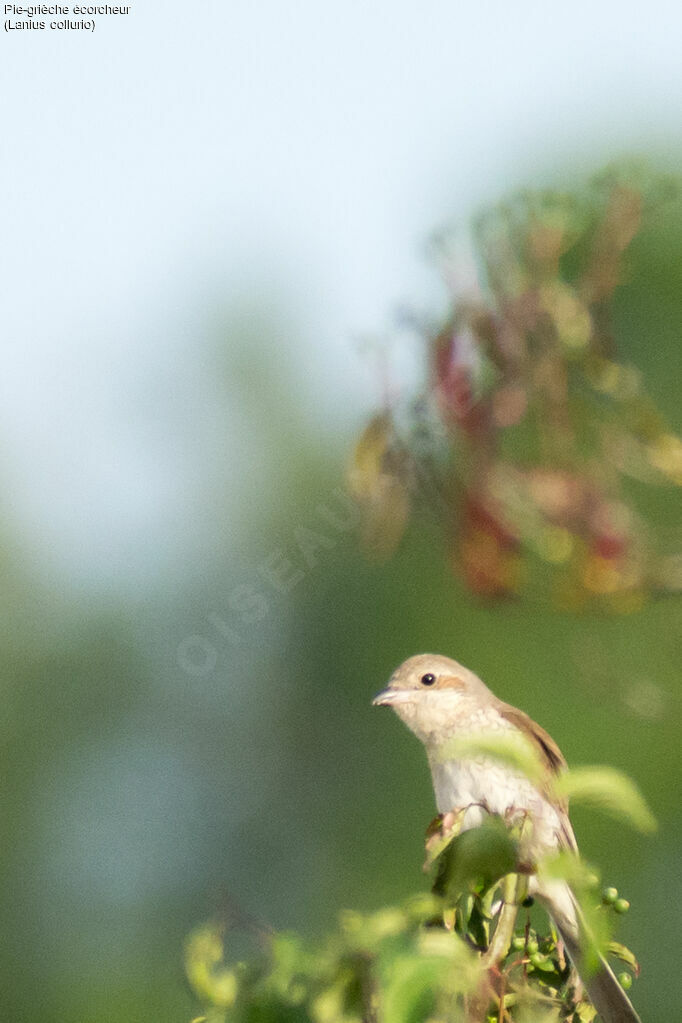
551, 758
550, 754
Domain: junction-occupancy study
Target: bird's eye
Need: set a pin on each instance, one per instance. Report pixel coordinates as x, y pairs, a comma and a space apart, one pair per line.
428, 679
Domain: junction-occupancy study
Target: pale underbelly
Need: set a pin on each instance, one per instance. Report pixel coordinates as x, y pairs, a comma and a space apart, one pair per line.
488, 787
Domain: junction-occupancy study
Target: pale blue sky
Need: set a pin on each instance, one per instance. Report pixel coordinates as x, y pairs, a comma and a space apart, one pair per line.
190, 154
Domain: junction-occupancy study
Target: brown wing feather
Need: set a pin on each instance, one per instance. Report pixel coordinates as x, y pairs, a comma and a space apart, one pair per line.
550, 755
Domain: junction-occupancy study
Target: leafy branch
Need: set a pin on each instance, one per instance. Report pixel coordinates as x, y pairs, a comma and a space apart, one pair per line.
532, 439
474, 950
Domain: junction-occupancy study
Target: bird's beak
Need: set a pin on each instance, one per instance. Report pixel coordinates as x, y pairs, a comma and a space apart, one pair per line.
390, 697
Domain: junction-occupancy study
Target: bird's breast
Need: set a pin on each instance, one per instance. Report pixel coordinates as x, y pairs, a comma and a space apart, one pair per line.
487, 786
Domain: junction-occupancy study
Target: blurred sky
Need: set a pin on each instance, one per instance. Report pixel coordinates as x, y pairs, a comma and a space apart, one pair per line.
187, 159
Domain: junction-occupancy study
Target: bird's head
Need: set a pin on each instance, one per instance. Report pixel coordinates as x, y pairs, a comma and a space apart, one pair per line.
431, 693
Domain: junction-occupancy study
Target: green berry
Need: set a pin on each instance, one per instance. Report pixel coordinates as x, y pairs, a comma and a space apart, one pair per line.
518, 943
621, 905
532, 947
609, 896
625, 980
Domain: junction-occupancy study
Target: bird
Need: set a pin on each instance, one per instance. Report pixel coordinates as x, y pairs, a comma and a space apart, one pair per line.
441, 701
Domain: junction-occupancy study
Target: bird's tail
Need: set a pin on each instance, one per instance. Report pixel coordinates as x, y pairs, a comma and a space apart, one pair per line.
603, 988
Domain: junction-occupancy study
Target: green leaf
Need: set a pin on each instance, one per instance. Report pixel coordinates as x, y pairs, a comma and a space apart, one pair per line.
610, 790
409, 991
212, 981
586, 1012
440, 833
623, 953
330, 1004
369, 930
545, 965
510, 748
421, 908
483, 854
465, 907
479, 926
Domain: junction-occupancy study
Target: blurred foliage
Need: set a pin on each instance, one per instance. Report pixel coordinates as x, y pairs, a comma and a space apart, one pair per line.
468, 953
535, 439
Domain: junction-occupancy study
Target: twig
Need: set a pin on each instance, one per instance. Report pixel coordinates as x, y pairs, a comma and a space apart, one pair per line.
504, 932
